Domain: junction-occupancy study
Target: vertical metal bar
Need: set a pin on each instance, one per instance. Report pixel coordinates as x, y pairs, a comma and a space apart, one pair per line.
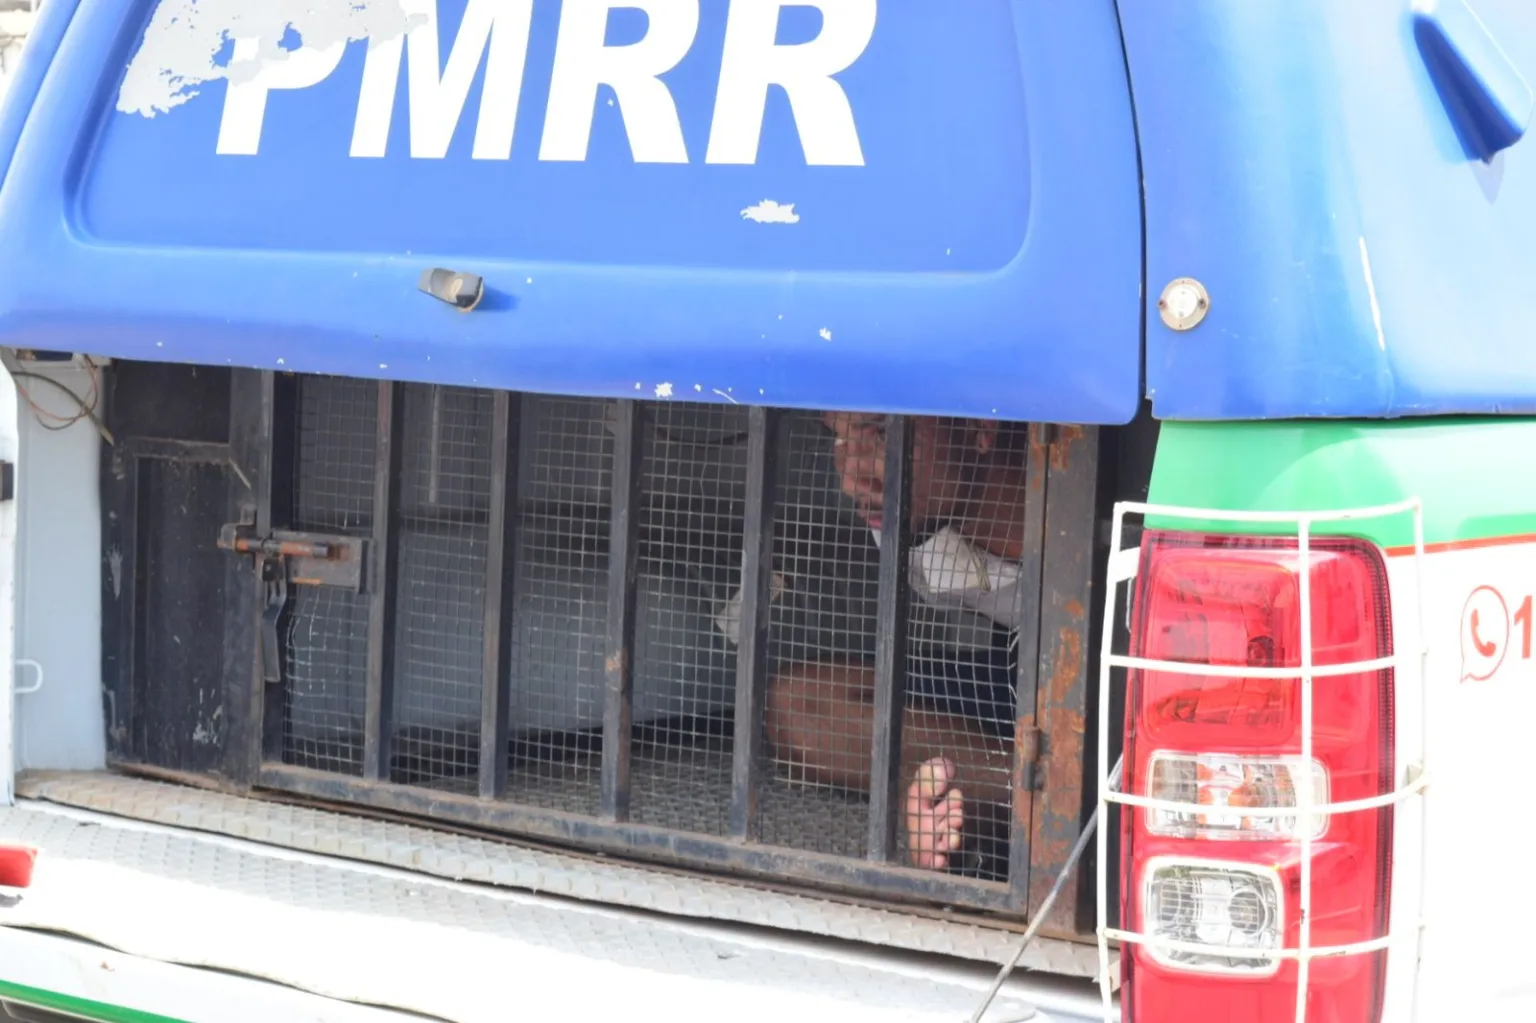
500, 563
1066, 635
276, 507
885, 784
138, 586
623, 566
378, 726
756, 598
117, 476
250, 483
435, 451
1026, 735
1104, 775
122, 653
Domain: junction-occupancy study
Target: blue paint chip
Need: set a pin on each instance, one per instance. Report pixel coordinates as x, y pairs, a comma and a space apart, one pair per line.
226, 52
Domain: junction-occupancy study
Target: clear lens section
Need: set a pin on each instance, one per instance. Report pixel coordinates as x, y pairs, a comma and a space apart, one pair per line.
1229, 786
1224, 907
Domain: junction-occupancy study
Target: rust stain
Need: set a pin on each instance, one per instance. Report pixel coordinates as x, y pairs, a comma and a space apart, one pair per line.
1069, 660
1026, 738
1026, 745
1067, 440
1073, 607
1059, 806
1039, 453
1057, 821
616, 663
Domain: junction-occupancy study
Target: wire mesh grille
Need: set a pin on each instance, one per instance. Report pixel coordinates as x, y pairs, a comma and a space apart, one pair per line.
822, 645
326, 649
560, 605
693, 489
966, 493
443, 536
967, 504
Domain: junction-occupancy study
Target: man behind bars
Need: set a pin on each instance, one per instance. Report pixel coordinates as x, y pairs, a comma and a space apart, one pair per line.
967, 513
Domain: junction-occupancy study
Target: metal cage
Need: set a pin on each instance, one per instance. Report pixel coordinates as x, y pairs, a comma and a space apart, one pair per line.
499, 611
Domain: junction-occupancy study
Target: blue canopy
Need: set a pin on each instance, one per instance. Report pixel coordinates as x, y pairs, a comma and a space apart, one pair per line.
1351, 182
923, 207
968, 208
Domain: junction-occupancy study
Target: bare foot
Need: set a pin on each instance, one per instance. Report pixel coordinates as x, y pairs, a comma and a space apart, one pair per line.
935, 815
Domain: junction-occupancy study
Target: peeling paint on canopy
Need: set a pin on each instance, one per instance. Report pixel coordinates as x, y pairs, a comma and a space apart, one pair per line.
181, 47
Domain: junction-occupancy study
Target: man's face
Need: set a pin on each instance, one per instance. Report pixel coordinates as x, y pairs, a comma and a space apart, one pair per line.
943, 452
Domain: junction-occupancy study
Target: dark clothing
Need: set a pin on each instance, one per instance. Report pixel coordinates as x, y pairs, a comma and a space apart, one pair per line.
974, 684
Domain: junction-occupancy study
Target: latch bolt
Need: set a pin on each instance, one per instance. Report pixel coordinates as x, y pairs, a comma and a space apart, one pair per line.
291, 558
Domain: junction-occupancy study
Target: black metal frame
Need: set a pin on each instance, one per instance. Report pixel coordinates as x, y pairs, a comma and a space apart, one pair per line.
885, 781
752, 650
496, 685
384, 555
623, 586
1072, 481
150, 719
1052, 688
123, 670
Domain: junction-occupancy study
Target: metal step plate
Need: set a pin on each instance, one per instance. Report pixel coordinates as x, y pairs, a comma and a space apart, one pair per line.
592, 880
364, 933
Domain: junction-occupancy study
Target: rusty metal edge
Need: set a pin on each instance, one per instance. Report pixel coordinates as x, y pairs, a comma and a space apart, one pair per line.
1067, 588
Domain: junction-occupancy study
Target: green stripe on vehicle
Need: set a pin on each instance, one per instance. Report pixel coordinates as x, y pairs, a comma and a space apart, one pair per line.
1472, 475
100, 1012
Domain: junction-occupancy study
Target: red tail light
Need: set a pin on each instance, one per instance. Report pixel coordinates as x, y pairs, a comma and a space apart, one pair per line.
16, 862
1233, 742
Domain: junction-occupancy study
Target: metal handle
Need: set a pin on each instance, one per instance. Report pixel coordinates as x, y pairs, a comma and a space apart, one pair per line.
36, 685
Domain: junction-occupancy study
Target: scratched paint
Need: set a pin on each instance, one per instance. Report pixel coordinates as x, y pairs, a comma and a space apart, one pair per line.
182, 46
115, 565
770, 212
